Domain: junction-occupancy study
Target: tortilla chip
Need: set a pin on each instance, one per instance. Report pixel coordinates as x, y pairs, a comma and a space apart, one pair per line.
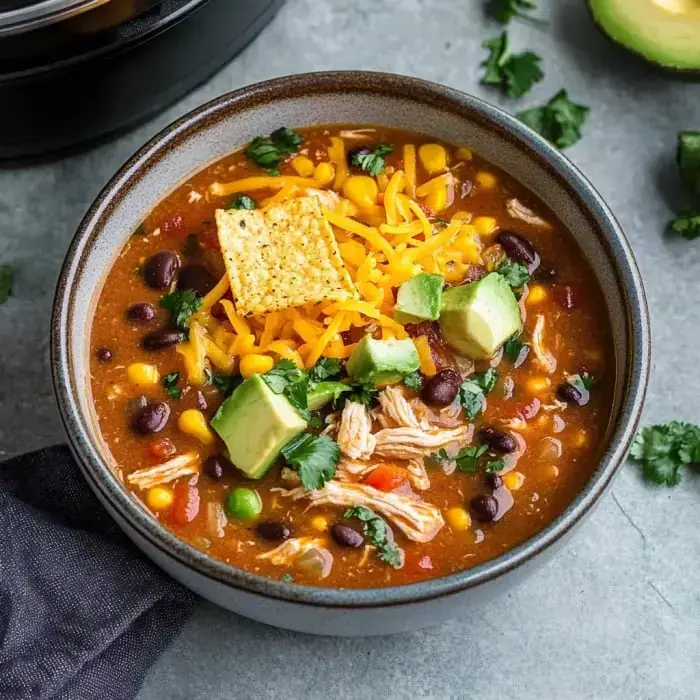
284, 255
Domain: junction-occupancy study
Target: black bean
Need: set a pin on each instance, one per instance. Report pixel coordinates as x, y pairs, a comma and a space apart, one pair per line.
164, 338
134, 405
151, 418
161, 268
493, 481
141, 313
346, 536
442, 389
197, 278
485, 508
103, 354
518, 249
544, 273
273, 531
498, 440
216, 466
569, 393
353, 153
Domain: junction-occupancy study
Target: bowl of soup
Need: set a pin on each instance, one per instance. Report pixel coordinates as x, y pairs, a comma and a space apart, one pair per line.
348, 353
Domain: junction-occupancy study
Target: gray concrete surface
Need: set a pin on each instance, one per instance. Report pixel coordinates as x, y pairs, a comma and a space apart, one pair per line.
617, 613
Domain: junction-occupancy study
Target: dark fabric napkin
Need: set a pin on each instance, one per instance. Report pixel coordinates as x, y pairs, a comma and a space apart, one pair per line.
82, 613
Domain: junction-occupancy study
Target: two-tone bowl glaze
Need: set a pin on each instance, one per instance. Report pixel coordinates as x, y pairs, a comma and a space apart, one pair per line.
222, 126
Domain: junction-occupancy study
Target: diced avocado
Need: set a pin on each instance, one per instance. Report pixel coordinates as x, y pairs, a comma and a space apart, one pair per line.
255, 423
323, 392
664, 32
419, 298
477, 318
382, 362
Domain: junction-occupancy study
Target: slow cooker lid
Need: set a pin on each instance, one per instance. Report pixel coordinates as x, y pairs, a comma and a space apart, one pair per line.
18, 16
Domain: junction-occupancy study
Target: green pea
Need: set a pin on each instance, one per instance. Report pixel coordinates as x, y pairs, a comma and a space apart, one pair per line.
244, 503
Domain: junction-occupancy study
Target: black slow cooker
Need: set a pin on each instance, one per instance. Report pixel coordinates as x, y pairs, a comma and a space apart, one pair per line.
75, 71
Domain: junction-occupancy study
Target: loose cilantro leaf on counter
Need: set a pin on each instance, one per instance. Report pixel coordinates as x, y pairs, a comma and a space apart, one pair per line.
325, 368
414, 381
181, 304
6, 280
515, 74
559, 121
286, 378
505, 10
473, 391
468, 458
372, 161
687, 225
515, 273
376, 531
267, 151
315, 458
241, 201
169, 382
663, 449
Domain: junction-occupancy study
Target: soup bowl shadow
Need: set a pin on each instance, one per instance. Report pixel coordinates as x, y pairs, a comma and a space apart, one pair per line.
223, 125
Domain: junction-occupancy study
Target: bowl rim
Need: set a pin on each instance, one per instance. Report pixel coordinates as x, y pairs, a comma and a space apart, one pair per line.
103, 481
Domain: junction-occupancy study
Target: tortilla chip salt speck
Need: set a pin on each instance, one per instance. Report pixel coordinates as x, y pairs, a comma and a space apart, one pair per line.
284, 255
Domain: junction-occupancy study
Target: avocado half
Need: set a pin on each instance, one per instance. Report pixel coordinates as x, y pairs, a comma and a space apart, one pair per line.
665, 32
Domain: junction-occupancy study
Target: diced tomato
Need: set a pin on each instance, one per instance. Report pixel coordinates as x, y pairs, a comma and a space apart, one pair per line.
162, 448
564, 296
186, 503
530, 410
210, 239
387, 477
172, 225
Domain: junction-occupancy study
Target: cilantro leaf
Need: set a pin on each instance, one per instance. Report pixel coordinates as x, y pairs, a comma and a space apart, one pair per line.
226, 383
359, 393
559, 121
515, 74
468, 458
298, 395
268, 151
286, 378
473, 391
663, 449
688, 158
287, 578
6, 280
687, 224
513, 348
181, 304
414, 381
505, 10
169, 382
371, 161
315, 458
515, 273
325, 368
376, 531
498, 51
495, 465
241, 201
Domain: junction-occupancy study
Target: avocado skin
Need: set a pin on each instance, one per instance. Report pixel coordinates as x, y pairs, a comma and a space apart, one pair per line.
682, 73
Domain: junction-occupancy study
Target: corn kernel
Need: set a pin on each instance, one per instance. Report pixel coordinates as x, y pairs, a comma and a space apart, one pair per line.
255, 364
486, 180
192, 422
463, 153
581, 438
324, 173
362, 190
536, 294
318, 522
303, 166
437, 200
484, 224
458, 519
433, 157
538, 385
142, 374
159, 498
513, 480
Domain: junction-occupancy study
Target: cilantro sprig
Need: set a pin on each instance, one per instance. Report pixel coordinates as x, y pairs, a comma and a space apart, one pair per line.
473, 391
225, 383
169, 382
182, 304
515, 273
241, 201
377, 532
514, 349
663, 449
559, 121
287, 379
687, 224
268, 151
505, 10
371, 160
315, 457
325, 368
467, 458
515, 74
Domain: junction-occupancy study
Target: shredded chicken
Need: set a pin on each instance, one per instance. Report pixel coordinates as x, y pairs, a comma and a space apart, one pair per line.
556, 405
451, 416
544, 357
396, 408
409, 443
290, 549
351, 470
182, 465
418, 520
355, 432
418, 475
518, 210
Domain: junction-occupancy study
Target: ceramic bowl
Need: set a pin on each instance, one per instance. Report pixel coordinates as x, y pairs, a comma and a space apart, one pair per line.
223, 125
